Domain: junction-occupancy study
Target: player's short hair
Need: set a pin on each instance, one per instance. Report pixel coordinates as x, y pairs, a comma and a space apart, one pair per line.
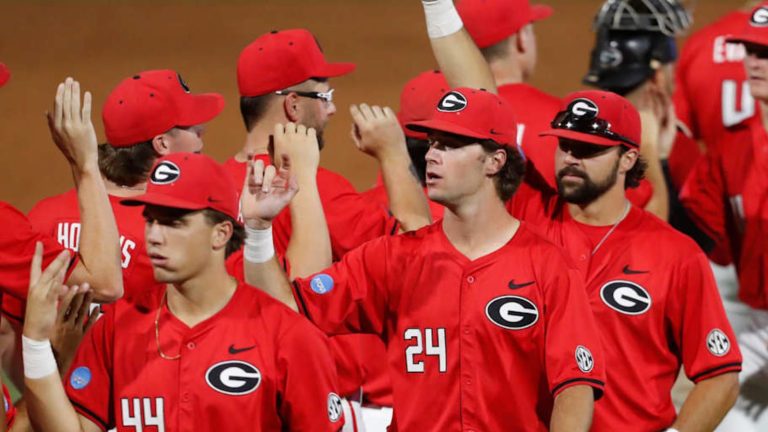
511, 174
235, 242
637, 173
496, 51
127, 166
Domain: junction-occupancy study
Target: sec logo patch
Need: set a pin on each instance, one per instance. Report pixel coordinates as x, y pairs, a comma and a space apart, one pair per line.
718, 343
80, 378
584, 359
321, 284
335, 408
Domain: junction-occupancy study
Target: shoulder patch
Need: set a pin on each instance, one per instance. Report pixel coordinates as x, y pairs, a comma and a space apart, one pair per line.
335, 408
321, 284
584, 359
80, 378
718, 343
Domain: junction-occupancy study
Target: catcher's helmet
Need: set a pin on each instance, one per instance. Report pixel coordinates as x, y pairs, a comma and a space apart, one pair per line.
633, 38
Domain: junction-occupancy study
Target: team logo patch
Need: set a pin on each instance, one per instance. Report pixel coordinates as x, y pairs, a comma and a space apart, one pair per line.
760, 17
80, 378
611, 57
183, 84
321, 284
234, 377
583, 107
718, 343
165, 172
584, 359
452, 102
335, 408
512, 312
626, 297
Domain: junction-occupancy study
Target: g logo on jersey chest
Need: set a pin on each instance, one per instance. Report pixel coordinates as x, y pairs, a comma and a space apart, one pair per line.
626, 297
234, 377
512, 312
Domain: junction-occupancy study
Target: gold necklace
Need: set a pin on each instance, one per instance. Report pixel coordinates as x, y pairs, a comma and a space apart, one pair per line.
627, 206
157, 330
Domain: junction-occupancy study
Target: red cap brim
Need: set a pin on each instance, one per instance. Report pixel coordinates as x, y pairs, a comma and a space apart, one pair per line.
540, 12
747, 38
444, 126
161, 200
201, 108
330, 70
5, 74
583, 137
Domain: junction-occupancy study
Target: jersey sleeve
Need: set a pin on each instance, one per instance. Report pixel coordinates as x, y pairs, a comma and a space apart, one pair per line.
574, 351
703, 196
701, 329
350, 296
310, 400
88, 383
17, 247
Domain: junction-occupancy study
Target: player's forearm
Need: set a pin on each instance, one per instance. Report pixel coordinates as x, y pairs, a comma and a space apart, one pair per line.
459, 59
21, 421
270, 278
573, 409
404, 192
708, 403
99, 249
659, 202
49, 408
309, 249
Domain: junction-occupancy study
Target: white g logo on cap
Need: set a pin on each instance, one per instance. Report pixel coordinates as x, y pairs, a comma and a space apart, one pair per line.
583, 108
760, 17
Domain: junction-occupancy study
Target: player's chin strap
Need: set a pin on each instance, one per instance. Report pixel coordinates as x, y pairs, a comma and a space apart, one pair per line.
442, 18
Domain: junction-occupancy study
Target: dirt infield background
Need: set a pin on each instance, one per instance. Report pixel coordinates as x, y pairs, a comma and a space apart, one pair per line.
101, 42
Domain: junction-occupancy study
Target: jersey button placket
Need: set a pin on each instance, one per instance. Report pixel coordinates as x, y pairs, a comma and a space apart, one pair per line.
468, 352
187, 376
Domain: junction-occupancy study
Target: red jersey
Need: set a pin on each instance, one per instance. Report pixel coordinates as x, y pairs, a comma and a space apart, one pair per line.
59, 217
534, 111
17, 247
352, 218
254, 365
472, 345
641, 277
727, 196
10, 410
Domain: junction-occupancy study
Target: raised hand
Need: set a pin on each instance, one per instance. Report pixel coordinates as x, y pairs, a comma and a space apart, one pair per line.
300, 145
376, 131
71, 127
74, 319
46, 287
266, 192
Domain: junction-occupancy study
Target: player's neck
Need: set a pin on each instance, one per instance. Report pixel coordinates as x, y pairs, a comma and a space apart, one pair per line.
201, 297
506, 72
257, 140
763, 113
604, 211
479, 227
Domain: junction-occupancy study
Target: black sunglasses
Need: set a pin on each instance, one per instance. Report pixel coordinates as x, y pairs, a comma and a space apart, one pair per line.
593, 126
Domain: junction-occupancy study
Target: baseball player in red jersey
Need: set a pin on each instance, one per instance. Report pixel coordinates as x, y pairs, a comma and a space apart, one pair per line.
726, 194
206, 352
640, 275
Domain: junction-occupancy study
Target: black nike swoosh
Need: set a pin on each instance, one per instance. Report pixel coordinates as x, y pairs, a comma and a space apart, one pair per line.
233, 350
628, 271
513, 285
493, 132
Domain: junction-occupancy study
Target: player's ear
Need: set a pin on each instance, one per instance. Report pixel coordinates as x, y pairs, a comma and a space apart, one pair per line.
161, 144
292, 108
628, 160
220, 235
495, 161
524, 39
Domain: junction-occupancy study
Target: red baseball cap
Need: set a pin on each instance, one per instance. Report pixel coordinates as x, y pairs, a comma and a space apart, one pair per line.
5, 74
472, 113
418, 99
280, 59
756, 30
151, 103
597, 117
189, 181
491, 21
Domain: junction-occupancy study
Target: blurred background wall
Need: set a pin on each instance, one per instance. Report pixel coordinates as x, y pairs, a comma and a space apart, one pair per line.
101, 42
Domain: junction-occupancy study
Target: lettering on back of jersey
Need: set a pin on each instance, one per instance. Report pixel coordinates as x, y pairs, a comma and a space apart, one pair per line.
68, 236
724, 52
512, 312
718, 343
626, 297
233, 377
737, 101
139, 413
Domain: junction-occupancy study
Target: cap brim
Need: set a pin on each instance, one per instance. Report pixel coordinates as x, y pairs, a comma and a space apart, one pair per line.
5, 74
201, 108
427, 126
160, 200
540, 12
582, 137
748, 39
330, 70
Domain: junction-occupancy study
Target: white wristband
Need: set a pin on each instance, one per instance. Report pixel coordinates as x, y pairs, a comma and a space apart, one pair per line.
442, 18
38, 358
671, 430
259, 247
